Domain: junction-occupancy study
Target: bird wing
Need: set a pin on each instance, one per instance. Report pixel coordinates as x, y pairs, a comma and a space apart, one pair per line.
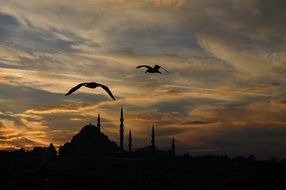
165, 69
147, 66
107, 90
158, 67
74, 88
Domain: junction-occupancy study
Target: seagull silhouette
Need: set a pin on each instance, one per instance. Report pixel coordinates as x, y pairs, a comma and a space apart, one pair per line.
150, 69
90, 85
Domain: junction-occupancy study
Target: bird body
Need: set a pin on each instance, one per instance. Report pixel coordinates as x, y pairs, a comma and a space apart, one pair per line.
150, 69
90, 85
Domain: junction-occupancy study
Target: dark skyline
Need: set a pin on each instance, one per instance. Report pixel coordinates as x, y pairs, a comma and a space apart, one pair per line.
224, 93
91, 160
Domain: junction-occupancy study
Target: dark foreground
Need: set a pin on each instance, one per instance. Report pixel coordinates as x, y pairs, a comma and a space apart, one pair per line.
22, 171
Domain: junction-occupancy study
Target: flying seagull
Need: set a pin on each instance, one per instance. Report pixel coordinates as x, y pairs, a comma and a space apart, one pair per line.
150, 69
90, 85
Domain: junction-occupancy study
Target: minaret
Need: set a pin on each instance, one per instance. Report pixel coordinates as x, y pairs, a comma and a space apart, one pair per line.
121, 129
173, 149
153, 139
130, 141
98, 122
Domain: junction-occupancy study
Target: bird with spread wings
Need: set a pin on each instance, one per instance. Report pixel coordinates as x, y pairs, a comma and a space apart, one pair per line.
150, 69
90, 85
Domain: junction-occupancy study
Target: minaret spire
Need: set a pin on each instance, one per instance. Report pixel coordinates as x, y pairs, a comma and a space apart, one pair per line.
153, 138
98, 122
121, 129
173, 149
130, 141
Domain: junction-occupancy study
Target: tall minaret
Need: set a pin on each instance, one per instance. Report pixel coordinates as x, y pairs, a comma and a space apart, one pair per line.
121, 130
173, 149
130, 141
98, 122
153, 138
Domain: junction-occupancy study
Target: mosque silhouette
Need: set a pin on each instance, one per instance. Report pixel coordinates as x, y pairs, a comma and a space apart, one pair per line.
92, 161
91, 142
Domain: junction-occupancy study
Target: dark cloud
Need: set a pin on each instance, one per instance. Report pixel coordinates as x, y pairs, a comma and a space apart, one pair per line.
174, 106
195, 122
33, 40
169, 131
12, 117
8, 25
20, 98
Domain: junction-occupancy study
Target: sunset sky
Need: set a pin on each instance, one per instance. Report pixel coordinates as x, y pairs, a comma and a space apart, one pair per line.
225, 93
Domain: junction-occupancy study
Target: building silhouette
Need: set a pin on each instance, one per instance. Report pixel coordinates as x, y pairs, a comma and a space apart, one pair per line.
90, 141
